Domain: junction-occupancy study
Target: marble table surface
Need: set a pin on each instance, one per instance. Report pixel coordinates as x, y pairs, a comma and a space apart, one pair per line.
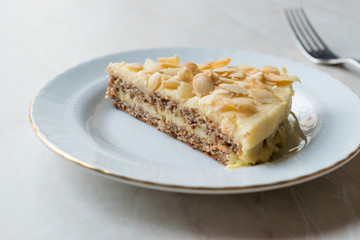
44, 196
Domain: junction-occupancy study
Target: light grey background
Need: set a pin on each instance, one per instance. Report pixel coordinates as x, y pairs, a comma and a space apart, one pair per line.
43, 196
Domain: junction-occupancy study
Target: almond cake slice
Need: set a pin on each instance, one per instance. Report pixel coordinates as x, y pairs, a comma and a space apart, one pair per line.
235, 114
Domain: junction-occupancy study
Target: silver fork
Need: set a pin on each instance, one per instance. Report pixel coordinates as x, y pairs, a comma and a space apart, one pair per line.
310, 43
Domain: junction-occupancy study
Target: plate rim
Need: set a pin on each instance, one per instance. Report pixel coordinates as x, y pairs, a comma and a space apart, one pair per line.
176, 187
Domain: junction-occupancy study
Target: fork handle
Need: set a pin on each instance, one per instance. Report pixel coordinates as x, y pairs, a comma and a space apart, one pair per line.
353, 61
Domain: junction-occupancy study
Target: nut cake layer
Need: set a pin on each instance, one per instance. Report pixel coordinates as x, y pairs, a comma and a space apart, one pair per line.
237, 115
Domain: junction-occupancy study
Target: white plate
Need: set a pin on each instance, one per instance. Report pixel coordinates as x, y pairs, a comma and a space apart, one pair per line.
72, 117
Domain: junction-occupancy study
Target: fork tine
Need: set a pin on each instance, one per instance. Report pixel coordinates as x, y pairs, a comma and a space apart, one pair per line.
292, 23
309, 40
300, 15
314, 33
312, 46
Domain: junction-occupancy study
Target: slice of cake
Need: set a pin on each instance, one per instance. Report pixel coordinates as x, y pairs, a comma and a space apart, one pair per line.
236, 114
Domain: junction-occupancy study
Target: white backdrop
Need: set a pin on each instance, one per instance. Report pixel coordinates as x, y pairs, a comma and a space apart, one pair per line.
44, 196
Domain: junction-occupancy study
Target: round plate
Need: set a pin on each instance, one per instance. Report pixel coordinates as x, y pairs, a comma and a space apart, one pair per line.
72, 117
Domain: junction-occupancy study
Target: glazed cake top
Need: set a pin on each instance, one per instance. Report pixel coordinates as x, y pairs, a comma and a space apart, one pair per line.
248, 103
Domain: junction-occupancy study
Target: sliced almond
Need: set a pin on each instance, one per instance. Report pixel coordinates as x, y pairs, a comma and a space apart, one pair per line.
234, 88
203, 84
214, 76
134, 67
155, 81
253, 70
192, 66
151, 66
257, 84
171, 83
208, 100
184, 91
170, 62
270, 69
170, 71
226, 70
214, 100
278, 78
166, 76
242, 105
237, 75
225, 80
263, 96
255, 77
222, 94
186, 75
215, 64
243, 84
219, 90
294, 78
